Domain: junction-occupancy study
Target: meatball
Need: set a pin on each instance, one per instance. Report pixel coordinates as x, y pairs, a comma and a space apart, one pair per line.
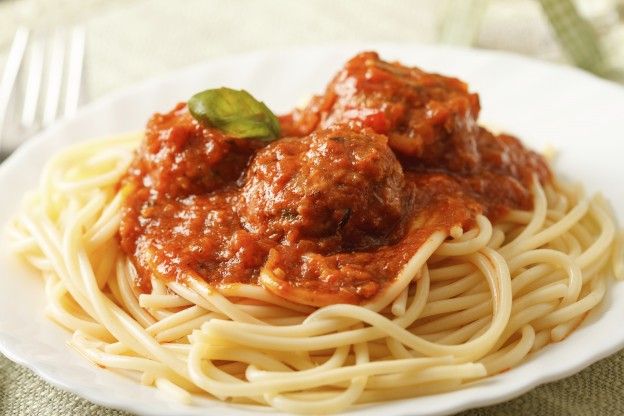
423, 114
337, 185
180, 157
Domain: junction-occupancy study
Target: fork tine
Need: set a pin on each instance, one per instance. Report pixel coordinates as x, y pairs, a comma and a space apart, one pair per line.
11, 70
55, 78
74, 75
33, 83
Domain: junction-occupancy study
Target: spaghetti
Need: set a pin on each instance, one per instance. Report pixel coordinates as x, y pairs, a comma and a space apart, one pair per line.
469, 301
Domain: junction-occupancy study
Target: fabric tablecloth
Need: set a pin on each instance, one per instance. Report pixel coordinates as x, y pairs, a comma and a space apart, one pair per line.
128, 41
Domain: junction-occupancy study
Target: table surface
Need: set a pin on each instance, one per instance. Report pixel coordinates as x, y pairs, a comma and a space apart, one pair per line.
160, 36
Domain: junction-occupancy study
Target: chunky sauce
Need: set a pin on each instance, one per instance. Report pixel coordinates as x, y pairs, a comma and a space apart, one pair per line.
334, 209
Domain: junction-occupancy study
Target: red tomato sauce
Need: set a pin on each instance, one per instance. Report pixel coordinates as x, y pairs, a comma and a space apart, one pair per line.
362, 176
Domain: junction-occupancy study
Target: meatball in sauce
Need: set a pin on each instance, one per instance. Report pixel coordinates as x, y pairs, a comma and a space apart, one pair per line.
340, 188
335, 208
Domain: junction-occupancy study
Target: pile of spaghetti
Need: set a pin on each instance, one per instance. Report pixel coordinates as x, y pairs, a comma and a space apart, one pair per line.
375, 245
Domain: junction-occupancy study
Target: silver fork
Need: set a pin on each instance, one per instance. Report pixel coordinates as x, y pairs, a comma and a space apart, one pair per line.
39, 67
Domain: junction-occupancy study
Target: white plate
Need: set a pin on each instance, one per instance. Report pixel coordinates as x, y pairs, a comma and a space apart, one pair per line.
544, 104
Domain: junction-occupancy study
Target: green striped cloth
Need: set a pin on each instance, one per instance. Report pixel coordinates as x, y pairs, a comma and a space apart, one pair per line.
577, 38
461, 21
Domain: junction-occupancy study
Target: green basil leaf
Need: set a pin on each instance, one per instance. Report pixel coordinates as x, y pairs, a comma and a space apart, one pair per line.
236, 113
